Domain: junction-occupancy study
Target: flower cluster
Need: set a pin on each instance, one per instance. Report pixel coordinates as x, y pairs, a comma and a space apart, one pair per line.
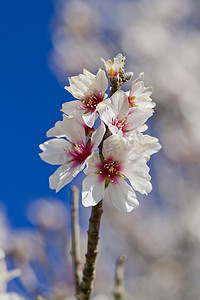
116, 152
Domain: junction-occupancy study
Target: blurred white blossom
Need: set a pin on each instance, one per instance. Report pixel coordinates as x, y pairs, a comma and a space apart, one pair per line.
11, 296
48, 213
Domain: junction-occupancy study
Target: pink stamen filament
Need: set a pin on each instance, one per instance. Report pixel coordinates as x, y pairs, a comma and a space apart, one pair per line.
131, 100
121, 124
90, 102
79, 152
110, 169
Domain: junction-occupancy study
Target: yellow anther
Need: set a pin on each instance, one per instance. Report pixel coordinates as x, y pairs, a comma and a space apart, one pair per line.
111, 169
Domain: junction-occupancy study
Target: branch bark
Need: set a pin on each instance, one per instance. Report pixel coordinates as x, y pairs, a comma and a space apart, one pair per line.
93, 237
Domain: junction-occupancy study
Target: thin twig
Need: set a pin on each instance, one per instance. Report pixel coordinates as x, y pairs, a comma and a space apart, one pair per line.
119, 279
93, 236
76, 239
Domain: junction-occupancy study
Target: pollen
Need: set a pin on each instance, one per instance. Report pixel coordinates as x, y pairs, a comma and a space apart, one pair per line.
110, 170
79, 152
121, 124
91, 101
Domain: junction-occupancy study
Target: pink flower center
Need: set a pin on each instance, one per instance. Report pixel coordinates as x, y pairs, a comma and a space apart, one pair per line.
79, 152
109, 170
90, 102
112, 72
131, 100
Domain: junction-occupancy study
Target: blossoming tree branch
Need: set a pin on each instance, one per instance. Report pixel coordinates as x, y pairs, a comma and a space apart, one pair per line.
113, 152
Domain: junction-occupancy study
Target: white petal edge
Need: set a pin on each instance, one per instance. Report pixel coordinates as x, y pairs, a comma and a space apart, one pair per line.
89, 118
63, 175
71, 107
93, 190
137, 173
101, 82
122, 196
54, 151
98, 135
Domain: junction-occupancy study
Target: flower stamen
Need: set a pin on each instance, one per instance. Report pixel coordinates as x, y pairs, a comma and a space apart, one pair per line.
110, 170
90, 102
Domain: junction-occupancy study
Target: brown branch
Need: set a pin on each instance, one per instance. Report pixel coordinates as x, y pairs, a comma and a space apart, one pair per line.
76, 239
114, 84
119, 279
89, 268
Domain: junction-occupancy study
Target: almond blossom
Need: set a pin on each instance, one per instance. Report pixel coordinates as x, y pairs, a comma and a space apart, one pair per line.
90, 90
139, 96
120, 168
113, 68
120, 118
72, 152
106, 176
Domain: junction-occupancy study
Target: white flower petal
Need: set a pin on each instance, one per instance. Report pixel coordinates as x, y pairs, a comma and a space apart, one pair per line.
88, 74
63, 175
138, 88
71, 107
92, 162
115, 130
98, 135
120, 104
71, 127
72, 89
101, 82
107, 115
150, 146
148, 91
115, 146
55, 131
85, 80
143, 101
138, 117
122, 196
141, 185
54, 151
78, 89
101, 107
90, 118
137, 173
93, 190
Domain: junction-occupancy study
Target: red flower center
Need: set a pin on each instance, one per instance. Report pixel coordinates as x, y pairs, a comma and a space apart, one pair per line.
90, 102
79, 152
121, 124
109, 170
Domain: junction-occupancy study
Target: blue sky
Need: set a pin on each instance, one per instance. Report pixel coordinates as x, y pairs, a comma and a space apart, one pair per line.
31, 98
